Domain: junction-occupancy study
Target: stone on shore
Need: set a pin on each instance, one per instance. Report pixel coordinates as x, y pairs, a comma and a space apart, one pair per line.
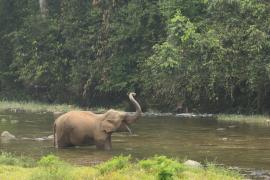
193, 164
7, 136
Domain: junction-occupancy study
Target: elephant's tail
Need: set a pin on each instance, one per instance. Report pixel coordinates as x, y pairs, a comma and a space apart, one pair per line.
54, 127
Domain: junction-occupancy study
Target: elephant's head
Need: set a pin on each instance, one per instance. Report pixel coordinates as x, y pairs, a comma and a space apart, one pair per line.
113, 119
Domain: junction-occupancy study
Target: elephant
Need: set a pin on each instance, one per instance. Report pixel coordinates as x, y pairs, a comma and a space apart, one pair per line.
76, 128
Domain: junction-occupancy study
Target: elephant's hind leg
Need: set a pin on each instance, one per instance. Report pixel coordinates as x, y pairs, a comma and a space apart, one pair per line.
62, 140
62, 143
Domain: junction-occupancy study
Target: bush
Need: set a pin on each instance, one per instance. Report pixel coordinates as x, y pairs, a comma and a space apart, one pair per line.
165, 168
49, 161
116, 163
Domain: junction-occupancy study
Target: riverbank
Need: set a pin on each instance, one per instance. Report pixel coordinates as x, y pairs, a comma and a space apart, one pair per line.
121, 167
35, 107
262, 120
14, 106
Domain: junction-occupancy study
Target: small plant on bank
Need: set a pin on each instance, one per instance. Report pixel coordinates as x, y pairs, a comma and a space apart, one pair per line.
10, 159
116, 163
51, 167
214, 170
165, 168
49, 161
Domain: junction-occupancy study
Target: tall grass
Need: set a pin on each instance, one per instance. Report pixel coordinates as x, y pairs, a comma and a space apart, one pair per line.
35, 106
10, 159
18, 106
248, 119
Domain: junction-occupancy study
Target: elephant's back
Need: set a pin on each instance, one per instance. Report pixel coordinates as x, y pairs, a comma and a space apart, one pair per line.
77, 119
76, 115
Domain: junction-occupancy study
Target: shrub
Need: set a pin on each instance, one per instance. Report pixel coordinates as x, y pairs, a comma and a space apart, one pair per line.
116, 163
164, 167
49, 161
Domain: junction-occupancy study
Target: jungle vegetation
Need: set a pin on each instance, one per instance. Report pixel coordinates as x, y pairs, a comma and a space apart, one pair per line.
211, 55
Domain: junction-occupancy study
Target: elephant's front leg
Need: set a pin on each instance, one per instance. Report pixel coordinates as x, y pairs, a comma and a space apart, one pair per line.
108, 143
105, 144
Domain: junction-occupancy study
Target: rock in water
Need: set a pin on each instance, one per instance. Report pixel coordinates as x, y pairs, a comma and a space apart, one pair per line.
39, 139
26, 138
193, 164
14, 121
232, 126
224, 139
50, 136
6, 135
220, 129
3, 120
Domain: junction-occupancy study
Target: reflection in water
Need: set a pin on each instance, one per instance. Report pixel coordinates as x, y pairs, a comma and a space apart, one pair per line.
197, 139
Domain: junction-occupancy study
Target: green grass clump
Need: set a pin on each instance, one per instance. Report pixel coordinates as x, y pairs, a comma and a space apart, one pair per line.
22, 161
116, 163
118, 168
49, 161
164, 167
221, 172
51, 167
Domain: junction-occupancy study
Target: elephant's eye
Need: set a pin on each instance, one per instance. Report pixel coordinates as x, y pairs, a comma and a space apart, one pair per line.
110, 121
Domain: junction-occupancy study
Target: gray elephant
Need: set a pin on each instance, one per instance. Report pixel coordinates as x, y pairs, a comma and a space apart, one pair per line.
87, 128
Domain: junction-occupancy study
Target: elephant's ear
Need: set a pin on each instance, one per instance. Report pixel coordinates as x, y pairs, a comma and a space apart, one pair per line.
112, 120
107, 126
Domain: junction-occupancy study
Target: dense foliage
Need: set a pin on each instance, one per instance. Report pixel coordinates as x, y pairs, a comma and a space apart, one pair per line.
207, 55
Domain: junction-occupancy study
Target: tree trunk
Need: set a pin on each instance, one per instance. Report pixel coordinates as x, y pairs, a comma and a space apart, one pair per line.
43, 4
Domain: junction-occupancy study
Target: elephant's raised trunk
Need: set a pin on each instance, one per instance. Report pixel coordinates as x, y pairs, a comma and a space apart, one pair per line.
135, 103
132, 117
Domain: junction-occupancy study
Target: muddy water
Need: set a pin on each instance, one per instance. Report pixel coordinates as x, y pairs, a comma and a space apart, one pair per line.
198, 139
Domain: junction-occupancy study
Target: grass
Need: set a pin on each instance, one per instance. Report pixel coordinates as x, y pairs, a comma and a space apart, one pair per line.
22, 161
118, 168
15, 106
248, 119
35, 106
18, 106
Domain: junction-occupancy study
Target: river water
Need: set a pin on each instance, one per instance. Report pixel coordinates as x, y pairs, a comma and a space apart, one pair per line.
200, 139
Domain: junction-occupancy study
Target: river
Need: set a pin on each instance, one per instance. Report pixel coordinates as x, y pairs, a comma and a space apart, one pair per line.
200, 139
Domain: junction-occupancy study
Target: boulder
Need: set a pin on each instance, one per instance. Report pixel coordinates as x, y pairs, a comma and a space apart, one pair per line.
232, 126
6, 135
14, 121
3, 120
220, 129
193, 164
187, 115
26, 138
50, 136
267, 122
39, 139
224, 139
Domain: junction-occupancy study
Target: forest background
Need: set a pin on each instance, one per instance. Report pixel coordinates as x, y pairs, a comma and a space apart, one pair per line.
209, 55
